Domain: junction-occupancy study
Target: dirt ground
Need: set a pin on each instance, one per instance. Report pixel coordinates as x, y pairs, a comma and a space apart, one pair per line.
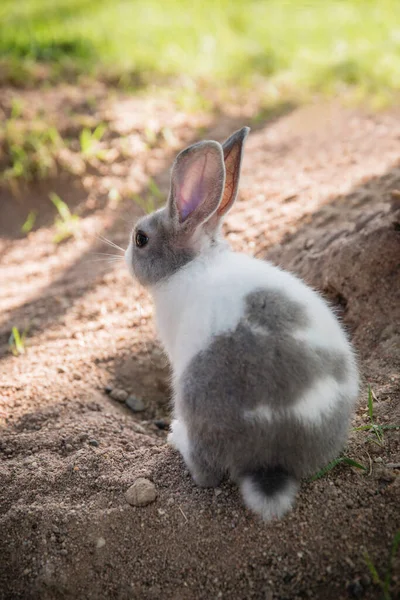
320, 195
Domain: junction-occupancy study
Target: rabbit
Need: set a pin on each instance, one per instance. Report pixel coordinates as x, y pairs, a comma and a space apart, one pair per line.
264, 378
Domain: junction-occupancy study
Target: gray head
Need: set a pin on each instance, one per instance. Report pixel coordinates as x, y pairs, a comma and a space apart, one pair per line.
204, 185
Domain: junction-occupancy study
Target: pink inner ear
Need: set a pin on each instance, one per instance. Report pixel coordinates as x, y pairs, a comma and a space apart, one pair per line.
192, 190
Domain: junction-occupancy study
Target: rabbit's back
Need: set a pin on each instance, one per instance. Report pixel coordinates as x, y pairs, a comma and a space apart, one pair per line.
263, 394
214, 294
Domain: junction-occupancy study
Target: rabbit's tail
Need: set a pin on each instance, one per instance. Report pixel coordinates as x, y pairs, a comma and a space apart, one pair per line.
268, 491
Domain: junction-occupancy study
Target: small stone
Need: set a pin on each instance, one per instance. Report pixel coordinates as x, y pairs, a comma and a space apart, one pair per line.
161, 424
365, 580
64, 551
135, 404
141, 493
108, 389
94, 443
217, 492
101, 542
120, 395
355, 589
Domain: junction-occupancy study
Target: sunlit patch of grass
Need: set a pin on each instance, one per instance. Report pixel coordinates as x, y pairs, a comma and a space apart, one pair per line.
29, 148
16, 342
66, 223
385, 581
313, 45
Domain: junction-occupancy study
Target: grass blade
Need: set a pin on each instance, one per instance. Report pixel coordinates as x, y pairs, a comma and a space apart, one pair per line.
326, 469
337, 461
372, 569
61, 206
16, 342
353, 463
393, 553
370, 403
30, 222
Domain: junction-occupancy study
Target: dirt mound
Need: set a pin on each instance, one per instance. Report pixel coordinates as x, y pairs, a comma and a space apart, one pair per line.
69, 452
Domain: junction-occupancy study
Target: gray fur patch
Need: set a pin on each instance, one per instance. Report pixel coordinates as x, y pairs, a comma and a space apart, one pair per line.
165, 251
261, 364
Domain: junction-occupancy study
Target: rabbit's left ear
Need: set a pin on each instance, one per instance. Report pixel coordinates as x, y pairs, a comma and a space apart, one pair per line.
233, 152
197, 185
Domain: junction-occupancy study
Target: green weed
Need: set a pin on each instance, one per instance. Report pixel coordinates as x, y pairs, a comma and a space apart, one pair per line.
334, 463
30, 148
384, 582
30, 222
374, 427
66, 224
89, 141
16, 341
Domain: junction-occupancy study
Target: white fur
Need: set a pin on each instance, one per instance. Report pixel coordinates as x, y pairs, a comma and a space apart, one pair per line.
179, 439
262, 413
317, 401
128, 259
206, 298
268, 508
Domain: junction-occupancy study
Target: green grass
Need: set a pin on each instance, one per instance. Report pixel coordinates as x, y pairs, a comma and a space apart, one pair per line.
89, 141
334, 463
16, 342
302, 45
30, 147
29, 222
66, 224
384, 582
376, 429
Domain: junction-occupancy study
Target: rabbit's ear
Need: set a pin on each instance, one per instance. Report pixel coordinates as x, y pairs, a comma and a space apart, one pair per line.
197, 184
233, 152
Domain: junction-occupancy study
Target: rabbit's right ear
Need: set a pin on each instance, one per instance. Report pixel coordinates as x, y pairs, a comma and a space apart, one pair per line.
197, 184
233, 153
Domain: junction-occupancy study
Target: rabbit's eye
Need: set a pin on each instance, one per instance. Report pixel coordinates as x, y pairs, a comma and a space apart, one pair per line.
141, 239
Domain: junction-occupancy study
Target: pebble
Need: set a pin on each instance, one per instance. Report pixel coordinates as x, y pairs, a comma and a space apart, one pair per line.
101, 542
135, 404
141, 493
108, 389
355, 589
120, 395
161, 424
94, 443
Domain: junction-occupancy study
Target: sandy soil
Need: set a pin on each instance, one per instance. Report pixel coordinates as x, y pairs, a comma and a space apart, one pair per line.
320, 195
